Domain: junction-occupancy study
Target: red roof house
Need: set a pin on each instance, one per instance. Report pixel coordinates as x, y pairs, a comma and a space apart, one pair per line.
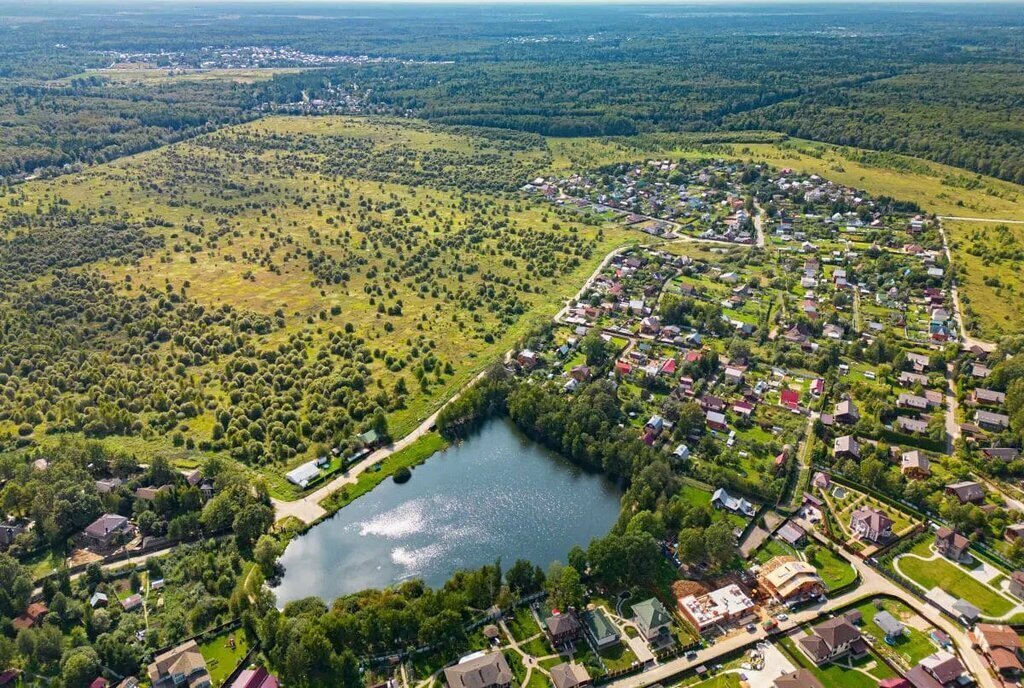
790, 398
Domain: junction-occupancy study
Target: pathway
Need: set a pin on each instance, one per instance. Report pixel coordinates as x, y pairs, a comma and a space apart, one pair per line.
307, 509
967, 341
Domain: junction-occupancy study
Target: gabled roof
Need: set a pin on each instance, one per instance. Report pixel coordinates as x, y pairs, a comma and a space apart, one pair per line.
801, 678
569, 675
480, 672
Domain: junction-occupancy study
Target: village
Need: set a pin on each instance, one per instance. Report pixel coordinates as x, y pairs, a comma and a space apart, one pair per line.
793, 347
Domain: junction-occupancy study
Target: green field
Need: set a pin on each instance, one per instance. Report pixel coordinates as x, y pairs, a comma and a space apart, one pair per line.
378, 265
940, 573
991, 286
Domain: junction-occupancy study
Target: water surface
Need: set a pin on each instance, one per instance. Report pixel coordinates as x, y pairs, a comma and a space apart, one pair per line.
498, 494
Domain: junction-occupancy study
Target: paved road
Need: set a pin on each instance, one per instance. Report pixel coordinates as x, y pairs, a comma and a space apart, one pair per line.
873, 584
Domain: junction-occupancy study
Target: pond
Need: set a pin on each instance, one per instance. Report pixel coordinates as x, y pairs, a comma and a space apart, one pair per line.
497, 494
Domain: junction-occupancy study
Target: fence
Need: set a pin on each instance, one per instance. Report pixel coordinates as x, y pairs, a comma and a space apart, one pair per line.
202, 635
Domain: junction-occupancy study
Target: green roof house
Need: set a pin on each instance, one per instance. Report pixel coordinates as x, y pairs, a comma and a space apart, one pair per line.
368, 438
600, 629
651, 618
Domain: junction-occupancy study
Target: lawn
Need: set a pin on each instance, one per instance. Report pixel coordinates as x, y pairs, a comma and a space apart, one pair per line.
941, 573
617, 657
912, 646
523, 625
221, 659
774, 547
833, 569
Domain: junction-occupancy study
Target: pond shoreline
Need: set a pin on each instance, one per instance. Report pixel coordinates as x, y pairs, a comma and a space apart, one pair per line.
496, 494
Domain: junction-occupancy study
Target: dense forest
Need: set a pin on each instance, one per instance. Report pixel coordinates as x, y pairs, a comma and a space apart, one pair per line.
940, 82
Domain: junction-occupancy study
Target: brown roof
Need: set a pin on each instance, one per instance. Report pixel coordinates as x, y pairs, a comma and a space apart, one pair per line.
1005, 660
184, 659
569, 675
999, 635
488, 670
104, 524
920, 678
801, 678
837, 631
562, 623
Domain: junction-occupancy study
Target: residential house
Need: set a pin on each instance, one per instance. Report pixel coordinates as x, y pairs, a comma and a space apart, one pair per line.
952, 545
132, 602
32, 616
725, 606
792, 534
790, 398
255, 678
682, 452
180, 666
108, 485
148, 494
734, 374
480, 670
1016, 586
912, 401
599, 629
846, 447
833, 639
915, 465
528, 359
569, 675
1014, 531
992, 421
908, 379
651, 619
717, 421
968, 492
563, 628
801, 678
1001, 646
1004, 454
846, 412
301, 475
738, 505
914, 426
653, 428
871, 524
987, 397
889, 625
943, 666
980, 371
788, 579
107, 530
580, 373
11, 529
